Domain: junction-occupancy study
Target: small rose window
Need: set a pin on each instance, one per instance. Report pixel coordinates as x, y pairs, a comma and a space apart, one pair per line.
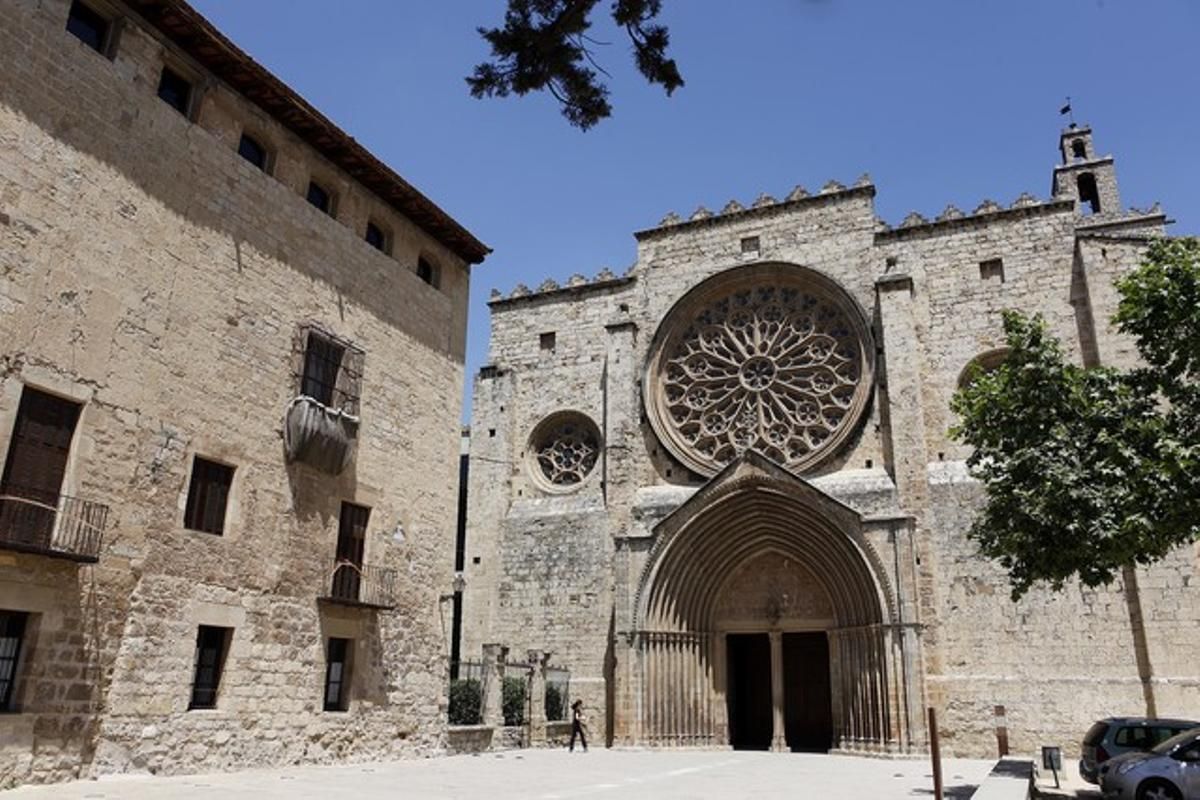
564, 449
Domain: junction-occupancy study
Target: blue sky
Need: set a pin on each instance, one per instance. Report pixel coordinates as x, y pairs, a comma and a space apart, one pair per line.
941, 101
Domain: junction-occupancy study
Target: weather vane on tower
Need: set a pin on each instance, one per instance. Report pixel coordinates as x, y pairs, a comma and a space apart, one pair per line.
1066, 109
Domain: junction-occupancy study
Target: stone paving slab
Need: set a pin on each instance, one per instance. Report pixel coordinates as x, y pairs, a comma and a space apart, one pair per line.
552, 775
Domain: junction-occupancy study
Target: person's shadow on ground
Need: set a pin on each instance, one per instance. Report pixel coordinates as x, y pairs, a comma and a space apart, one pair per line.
961, 792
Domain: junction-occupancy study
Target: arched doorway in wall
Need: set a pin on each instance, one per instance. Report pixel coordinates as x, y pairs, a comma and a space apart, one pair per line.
763, 622
774, 616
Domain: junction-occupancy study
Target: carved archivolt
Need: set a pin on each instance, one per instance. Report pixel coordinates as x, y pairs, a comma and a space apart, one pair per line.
772, 358
563, 450
770, 588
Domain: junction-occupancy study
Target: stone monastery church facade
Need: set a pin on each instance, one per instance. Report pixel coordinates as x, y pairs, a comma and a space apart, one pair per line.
720, 487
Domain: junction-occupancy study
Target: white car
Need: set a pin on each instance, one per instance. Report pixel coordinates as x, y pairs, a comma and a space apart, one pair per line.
1171, 771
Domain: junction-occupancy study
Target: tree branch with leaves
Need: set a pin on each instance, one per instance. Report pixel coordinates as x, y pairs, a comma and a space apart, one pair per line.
544, 45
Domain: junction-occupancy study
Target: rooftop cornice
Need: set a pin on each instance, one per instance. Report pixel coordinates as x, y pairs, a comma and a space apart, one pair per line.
1126, 238
1132, 217
987, 212
1083, 164
764, 206
188, 30
549, 288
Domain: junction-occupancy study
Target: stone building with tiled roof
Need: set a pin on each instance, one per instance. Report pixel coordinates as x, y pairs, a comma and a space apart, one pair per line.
229, 387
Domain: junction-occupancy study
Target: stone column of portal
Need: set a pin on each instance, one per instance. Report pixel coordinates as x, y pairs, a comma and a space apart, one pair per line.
494, 656
625, 710
902, 372
909, 463
779, 736
537, 697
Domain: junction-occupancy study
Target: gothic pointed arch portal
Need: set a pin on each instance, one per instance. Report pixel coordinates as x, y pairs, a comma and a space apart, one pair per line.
762, 588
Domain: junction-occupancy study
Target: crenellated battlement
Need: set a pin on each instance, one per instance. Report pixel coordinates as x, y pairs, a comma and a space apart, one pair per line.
763, 205
576, 284
987, 210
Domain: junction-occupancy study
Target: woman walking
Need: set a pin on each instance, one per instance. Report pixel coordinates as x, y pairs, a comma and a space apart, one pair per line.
578, 725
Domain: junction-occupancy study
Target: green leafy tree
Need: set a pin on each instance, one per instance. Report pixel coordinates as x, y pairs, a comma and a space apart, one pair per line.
1091, 470
544, 46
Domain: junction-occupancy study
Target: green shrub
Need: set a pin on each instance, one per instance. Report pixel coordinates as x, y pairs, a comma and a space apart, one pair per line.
466, 700
514, 701
555, 708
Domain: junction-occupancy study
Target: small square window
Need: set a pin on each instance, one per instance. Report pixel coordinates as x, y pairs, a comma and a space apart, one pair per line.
211, 646
547, 341
376, 237
88, 26
253, 151
337, 674
175, 91
208, 496
319, 197
427, 272
750, 244
12, 636
991, 269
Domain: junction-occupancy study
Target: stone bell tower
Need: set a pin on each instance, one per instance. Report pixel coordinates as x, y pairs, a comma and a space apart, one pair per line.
1088, 179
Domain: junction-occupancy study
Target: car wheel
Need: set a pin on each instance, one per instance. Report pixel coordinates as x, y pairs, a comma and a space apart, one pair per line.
1158, 790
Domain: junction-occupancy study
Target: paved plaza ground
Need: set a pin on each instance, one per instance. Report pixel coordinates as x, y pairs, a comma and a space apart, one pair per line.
552, 775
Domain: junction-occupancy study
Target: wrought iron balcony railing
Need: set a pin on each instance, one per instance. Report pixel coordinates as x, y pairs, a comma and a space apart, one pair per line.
350, 584
58, 526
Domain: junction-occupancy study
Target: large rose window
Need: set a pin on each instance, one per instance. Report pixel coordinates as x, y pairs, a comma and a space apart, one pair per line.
771, 358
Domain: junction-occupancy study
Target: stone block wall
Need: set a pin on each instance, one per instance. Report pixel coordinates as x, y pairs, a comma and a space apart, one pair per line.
537, 561
1057, 661
151, 274
957, 307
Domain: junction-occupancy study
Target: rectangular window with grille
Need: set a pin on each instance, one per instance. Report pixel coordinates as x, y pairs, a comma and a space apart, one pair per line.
208, 496
211, 644
337, 674
322, 362
12, 635
331, 371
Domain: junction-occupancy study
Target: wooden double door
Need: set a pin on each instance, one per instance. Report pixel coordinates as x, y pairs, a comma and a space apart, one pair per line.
806, 697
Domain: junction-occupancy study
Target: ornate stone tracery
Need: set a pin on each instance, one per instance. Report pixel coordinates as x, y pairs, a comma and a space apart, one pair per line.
564, 447
772, 358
